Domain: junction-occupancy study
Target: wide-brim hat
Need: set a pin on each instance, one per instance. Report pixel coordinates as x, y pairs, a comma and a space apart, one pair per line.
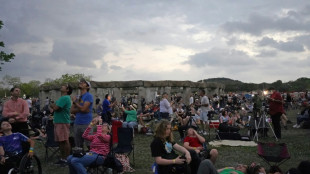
134, 106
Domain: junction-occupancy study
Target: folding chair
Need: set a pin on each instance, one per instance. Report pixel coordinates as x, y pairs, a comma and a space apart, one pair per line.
125, 142
273, 153
50, 144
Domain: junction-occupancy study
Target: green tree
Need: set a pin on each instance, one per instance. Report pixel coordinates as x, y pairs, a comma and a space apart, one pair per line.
31, 88
4, 57
66, 78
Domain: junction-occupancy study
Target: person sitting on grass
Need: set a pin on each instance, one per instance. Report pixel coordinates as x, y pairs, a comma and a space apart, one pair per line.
11, 146
207, 167
99, 148
303, 116
194, 141
163, 150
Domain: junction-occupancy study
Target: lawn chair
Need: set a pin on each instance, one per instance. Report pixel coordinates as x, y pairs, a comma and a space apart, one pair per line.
50, 144
273, 153
125, 142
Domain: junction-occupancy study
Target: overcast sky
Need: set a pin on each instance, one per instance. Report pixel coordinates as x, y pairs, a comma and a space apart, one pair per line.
251, 41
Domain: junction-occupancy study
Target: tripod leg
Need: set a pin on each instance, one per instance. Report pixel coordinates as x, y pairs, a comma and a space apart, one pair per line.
273, 132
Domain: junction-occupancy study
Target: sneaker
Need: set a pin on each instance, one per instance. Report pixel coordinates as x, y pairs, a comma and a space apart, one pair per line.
204, 133
298, 126
295, 125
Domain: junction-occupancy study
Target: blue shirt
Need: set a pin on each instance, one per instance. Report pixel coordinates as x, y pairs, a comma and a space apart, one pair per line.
82, 118
12, 143
105, 106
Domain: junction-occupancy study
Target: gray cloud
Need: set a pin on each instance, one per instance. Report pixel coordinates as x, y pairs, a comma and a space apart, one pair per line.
290, 46
220, 57
77, 54
258, 23
267, 53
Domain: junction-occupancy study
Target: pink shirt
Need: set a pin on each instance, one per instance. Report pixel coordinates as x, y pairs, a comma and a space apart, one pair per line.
100, 143
20, 106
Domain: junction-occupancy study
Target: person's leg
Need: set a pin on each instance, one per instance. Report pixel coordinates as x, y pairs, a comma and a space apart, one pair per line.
195, 161
132, 124
80, 164
71, 168
125, 124
206, 167
276, 124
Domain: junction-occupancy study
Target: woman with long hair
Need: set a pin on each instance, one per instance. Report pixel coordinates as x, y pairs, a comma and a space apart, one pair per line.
163, 150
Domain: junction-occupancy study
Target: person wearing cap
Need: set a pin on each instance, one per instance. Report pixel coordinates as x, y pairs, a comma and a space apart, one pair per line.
131, 119
82, 108
62, 122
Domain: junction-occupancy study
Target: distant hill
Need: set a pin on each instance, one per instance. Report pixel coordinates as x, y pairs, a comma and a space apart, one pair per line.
301, 84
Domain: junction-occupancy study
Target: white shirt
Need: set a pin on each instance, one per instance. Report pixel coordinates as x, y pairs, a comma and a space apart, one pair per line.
205, 100
191, 100
164, 106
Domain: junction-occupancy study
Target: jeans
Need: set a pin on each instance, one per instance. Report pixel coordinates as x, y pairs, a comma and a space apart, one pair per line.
78, 165
131, 124
301, 118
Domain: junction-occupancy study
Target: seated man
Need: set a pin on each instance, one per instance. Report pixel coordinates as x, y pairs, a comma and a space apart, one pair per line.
194, 141
11, 147
147, 114
303, 116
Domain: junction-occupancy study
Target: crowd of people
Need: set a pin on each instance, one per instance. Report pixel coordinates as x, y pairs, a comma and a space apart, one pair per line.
90, 128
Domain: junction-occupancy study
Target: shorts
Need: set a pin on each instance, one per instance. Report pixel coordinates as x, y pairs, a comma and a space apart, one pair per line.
204, 116
62, 131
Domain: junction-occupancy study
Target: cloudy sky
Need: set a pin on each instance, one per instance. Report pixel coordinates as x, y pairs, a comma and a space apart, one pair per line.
252, 41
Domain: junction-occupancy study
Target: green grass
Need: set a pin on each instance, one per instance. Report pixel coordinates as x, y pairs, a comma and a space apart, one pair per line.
297, 140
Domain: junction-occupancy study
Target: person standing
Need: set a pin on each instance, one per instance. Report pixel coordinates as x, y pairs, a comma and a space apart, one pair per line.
62, 122
165, 107
107, 108
82, 108
276, 110
16, 109
204, 107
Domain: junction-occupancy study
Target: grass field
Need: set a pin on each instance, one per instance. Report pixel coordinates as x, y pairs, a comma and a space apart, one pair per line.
297, 140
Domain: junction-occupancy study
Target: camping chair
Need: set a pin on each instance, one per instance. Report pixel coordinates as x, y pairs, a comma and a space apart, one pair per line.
125, 142
50, 144
273, 153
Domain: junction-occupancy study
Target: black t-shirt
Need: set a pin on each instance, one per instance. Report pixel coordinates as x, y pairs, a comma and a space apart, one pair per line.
97, 101
164, 150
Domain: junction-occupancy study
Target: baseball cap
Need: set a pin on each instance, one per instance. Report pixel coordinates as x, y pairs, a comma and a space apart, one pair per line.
87, 82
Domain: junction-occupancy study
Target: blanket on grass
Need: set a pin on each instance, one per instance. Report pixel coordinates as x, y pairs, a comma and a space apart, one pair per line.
232, 143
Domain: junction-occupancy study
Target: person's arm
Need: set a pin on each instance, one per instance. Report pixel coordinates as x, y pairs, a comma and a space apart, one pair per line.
31, 142
184, 151
86, 132
6, 111
2, 159
166, 104
82, 108
200, 138
25, 112
161, 161
55, 107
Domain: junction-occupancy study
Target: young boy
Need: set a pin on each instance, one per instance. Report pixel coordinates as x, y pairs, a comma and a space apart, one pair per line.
11, 146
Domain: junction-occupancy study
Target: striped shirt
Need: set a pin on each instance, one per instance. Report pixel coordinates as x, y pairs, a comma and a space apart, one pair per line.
100, 143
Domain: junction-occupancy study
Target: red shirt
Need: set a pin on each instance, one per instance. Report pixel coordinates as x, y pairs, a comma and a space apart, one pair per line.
276, 106
193, 141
